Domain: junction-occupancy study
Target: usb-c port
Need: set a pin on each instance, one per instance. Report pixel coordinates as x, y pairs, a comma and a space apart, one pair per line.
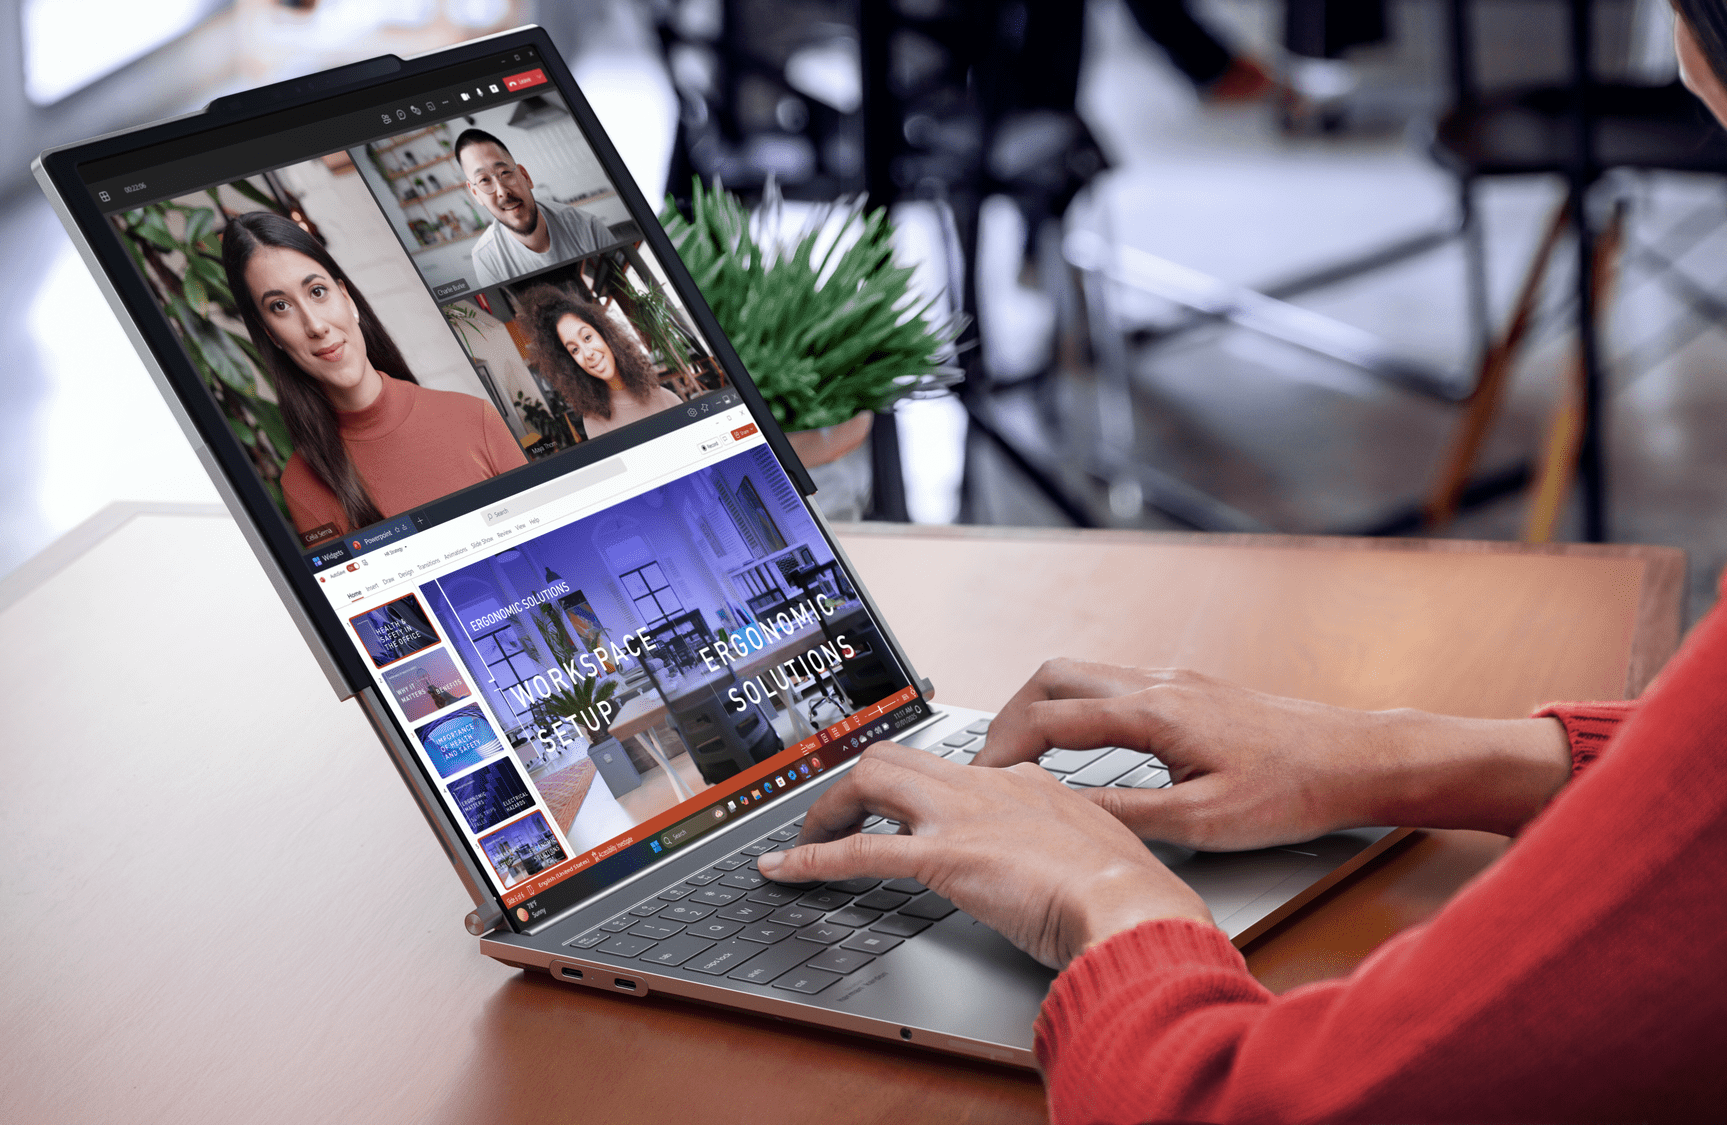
573, 974
626, 985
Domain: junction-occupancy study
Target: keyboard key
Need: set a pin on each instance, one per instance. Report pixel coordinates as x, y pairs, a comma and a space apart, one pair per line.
673, 894
1107, 768
746, 911
1127, 780
1156, 779
807, 981
840, 961
774, 895
657, 928
768, 933
883, 828
823, 934
905, 886
723, 958
647, 909
852, 916
871, 821
979, 727
870, 943
759, 849
796, 915
963, 757
932, 906
960, 741
900, 926
686, 912
703, 878
626, 946
716, 929
732, 862
883, 899
678, 950
825, 900
774, 960
855, 886
789, 832
619, 924
1067, 761
747, 879
716, 895
589, 939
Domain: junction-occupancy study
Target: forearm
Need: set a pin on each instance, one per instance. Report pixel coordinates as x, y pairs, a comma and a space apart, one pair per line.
1440, 771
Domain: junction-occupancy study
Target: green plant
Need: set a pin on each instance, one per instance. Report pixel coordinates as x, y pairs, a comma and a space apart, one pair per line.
581, 702
824, 335
176, 247
547, 423
464, 318
657, 322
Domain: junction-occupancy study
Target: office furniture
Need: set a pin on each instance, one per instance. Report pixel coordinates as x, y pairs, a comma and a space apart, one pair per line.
222, 906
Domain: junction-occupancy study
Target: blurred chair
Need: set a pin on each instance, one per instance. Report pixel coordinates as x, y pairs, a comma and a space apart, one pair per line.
1579, 131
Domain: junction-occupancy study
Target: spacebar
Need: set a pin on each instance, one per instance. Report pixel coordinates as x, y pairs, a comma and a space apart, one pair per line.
774, 960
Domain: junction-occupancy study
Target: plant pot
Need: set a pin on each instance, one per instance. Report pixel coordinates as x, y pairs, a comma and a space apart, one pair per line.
839, 462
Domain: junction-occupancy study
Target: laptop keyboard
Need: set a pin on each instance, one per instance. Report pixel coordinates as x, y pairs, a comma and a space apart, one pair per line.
730, 921
1077, 769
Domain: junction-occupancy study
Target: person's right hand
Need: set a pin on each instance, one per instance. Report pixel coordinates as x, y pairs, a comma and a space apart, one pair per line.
1253, 770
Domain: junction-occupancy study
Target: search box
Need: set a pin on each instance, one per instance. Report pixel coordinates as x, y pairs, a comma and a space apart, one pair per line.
568, 485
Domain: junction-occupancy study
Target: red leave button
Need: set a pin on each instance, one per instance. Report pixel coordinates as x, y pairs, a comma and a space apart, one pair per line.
525, 79
743, 432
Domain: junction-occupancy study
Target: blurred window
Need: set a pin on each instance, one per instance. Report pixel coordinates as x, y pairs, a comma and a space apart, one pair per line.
68, 44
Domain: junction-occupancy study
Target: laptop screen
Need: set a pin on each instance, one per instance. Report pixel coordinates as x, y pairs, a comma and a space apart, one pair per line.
577, 572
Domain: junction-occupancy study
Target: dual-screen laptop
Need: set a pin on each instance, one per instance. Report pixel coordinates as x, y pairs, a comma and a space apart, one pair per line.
528, 509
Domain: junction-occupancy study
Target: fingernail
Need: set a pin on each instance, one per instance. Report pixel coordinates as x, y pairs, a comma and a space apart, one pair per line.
770, 862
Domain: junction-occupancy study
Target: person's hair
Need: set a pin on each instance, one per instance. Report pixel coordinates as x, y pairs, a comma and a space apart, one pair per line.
310, 418
542, 307
471, 137
1708, 22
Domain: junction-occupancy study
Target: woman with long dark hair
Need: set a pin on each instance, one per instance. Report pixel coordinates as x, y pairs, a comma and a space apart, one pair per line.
369, 441
602, 373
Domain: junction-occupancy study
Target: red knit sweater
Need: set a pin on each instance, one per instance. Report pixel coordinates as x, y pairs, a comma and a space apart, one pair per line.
1582, 977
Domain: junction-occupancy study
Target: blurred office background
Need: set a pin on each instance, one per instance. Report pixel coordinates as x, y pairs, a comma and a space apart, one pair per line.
1220, 291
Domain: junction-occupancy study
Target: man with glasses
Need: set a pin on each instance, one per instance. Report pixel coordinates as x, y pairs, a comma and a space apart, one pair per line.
529, 234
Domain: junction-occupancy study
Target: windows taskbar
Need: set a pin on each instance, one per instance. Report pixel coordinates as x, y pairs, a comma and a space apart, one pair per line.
556, 889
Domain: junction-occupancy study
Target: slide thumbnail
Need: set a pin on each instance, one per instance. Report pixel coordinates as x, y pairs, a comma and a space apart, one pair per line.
460, 739
428, 683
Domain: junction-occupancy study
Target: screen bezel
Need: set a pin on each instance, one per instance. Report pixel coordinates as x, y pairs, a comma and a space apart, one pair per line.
62, 168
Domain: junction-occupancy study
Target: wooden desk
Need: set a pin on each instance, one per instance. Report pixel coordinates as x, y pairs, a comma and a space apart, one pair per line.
220, 905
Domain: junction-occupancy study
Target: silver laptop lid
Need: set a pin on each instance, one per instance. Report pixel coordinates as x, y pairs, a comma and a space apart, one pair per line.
496, 453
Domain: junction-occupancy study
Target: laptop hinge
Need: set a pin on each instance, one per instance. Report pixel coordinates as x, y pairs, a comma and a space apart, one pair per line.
483, 919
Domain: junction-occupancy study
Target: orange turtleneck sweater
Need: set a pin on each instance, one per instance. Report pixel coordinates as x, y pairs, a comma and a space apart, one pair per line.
411, 446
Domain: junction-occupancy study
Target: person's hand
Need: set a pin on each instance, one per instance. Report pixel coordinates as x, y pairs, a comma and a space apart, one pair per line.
1254, 770
1014, 848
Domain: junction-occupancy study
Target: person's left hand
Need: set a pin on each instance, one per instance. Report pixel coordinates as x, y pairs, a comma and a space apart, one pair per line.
1014, 848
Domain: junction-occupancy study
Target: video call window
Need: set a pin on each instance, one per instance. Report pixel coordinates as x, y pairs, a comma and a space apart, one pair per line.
305, 298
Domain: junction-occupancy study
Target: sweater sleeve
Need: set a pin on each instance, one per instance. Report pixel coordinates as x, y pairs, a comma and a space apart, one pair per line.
1588, 727
1567, 982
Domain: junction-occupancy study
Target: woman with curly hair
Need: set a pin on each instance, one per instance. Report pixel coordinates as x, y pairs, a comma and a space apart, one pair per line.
600, 371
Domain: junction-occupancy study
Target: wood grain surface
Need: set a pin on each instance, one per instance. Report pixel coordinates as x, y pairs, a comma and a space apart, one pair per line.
222, 907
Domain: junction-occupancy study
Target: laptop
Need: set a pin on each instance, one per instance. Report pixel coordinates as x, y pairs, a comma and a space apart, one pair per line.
531, 514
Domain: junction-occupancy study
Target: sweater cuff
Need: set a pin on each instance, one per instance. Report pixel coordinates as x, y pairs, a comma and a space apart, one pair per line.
1589, 727
1097, 976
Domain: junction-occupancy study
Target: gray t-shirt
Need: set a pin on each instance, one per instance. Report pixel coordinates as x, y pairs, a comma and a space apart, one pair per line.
499, 255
